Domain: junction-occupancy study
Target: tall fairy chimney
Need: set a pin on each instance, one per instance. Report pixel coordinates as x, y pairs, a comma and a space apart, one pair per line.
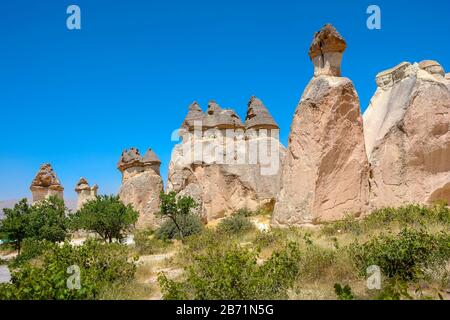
46, 184
326, 52
85, 192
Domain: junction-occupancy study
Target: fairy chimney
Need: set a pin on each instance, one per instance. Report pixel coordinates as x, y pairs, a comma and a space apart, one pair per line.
326, 51
46, 184
141, 185
85, 192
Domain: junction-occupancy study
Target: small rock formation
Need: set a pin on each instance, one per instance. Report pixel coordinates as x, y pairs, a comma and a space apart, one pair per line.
226, 165
325, 174
85, 192
46, 184
141, 185
326, 52
407, 135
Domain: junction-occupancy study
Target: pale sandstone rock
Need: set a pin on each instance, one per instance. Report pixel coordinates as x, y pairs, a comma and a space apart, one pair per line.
85, 192
325, 174
407, 136
221, 187
141, 185
447, 78
46, 184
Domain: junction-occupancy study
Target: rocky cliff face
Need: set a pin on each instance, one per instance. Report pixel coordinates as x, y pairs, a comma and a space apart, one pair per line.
407, 135
224, 164
85, 192
325, 175
141, 185
46, 184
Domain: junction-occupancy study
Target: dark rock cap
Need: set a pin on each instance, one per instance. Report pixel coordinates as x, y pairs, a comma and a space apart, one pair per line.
82, 185
219, 118
258, 117
46, 178
326, 40
195, 113
150, 158
130, 158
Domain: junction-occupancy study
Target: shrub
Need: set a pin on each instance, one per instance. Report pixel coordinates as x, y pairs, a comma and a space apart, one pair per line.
235, 225
244, 212
188, 224
107, 216
410, 215
31, 249
233, 273
48, 220
178, 210
100, 265
343, 292
315, 261
44, 221
145, 242
15, 224
405, 256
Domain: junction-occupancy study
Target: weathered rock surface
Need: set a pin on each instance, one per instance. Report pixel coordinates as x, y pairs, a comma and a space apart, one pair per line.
407, 136
141, 185
46, 184
85, 192
219, 162
325, 174
447, 78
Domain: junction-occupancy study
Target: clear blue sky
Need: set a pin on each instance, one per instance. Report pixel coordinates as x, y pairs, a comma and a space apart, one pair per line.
77, 98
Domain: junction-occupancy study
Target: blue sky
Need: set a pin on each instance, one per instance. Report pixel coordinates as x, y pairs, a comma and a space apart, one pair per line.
77, 98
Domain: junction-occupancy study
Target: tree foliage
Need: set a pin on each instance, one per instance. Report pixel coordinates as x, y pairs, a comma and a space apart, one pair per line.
107, 216
46, 220
179, 211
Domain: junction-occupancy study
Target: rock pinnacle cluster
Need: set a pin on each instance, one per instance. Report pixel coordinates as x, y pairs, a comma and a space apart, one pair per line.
338, 162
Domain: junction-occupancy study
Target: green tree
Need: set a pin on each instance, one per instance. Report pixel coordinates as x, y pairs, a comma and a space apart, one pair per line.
101, 265
15, 223
177, 209
107, 216
48, 220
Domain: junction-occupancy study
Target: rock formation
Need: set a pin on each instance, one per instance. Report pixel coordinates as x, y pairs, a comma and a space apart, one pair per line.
46, 184
224, 164
85, 192
325, 174
141, 185
407, 135
447, 78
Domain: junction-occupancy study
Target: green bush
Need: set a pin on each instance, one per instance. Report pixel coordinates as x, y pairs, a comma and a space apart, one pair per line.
407, 216
107, 216
31, 249
405, 256
101, 265
315, 261
178, 212
45, 220
233, 273
145, 242
245, 213
236, 224
48, 221
343, 292
189, 224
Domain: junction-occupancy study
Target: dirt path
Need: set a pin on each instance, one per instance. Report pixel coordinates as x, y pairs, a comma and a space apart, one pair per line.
152, 265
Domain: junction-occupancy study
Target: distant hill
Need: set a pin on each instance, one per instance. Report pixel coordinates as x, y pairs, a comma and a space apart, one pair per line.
70, 203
